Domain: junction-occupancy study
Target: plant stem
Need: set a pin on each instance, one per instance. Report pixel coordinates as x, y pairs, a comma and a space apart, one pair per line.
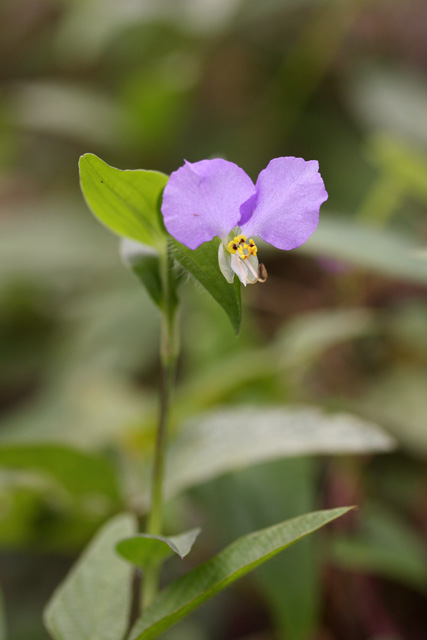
169, 356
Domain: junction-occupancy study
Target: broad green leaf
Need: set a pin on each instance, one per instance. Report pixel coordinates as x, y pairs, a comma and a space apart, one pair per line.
242, 556
127, 202
380, 250
229, 439
79, 472
95, 598
202, 264
144, 549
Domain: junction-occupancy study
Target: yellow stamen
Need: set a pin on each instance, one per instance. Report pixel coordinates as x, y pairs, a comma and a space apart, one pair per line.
233, 246
252, 248
239, 244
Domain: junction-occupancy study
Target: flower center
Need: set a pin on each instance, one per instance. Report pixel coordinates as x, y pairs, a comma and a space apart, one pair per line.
239, 244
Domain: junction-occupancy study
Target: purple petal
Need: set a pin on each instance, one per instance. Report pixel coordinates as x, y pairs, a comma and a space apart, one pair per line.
290, 192
202, 200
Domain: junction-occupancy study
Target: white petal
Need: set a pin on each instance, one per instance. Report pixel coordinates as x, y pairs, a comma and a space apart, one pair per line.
252, 275
224, 262
239, 268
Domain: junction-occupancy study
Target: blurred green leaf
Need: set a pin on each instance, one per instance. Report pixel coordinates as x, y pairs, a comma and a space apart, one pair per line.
242, 556
251, 499
234, 438
65, 109
398, 400
387, 252
404, 163
202, 264
390, 98
78, 472
306, 337
54, 250
386, 546
94, 600
81, 409
21, 497
127, 202
145, 549
405, 326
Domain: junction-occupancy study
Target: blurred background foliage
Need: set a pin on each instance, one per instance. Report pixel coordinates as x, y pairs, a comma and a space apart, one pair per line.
341, 322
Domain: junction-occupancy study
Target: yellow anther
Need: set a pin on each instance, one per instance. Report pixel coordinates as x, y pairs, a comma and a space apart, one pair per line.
233, 246
239, 244
252, 248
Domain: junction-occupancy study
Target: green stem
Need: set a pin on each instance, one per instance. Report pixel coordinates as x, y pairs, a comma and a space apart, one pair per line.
169, 355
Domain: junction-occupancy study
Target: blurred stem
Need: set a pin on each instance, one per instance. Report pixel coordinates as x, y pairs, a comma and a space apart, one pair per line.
169, 354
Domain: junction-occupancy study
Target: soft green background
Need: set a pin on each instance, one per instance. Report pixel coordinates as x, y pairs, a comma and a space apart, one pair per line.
340, 324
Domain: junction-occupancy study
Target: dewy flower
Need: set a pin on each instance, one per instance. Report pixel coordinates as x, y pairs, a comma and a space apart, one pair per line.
217, 198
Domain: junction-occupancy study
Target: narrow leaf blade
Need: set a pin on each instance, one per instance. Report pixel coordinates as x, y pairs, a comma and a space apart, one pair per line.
202, 264
127, 202
95, 598
242, 556
144, 549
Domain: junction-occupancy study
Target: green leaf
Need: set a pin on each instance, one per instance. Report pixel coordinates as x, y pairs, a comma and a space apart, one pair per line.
229, 439
250, 500
403, 162
380, 250
236, 560
144, 549
95, 598
398, 399
127, 202
144, 261
305, 338
386, 97
202, 264
79, 472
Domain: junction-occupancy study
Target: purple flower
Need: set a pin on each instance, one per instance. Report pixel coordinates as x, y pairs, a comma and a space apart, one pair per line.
217, 198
